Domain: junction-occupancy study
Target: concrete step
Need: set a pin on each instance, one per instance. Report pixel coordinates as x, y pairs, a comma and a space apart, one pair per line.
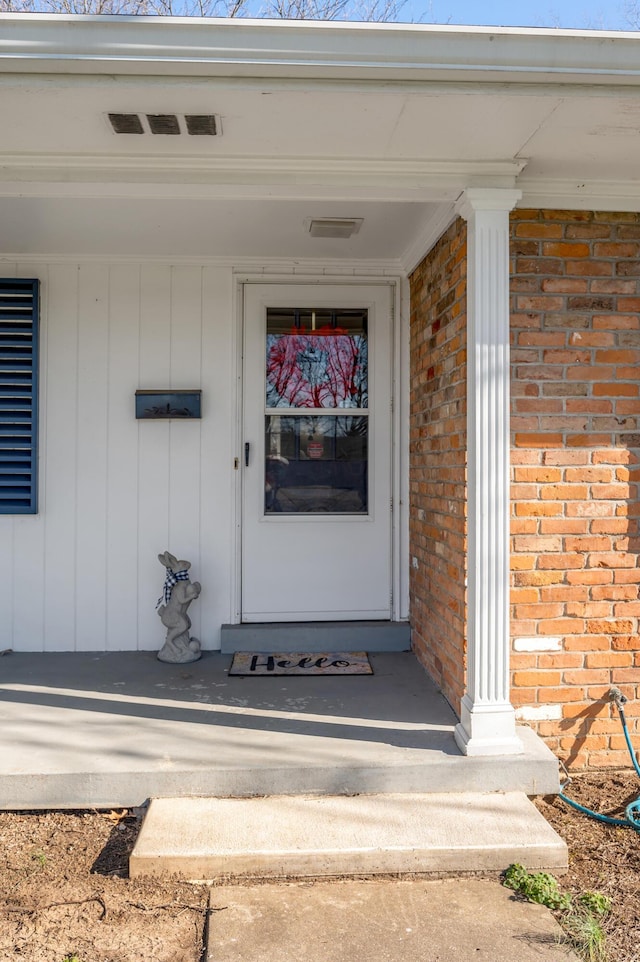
317, 636
310, 836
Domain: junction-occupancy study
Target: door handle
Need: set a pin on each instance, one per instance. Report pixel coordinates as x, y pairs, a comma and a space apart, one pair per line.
247, 447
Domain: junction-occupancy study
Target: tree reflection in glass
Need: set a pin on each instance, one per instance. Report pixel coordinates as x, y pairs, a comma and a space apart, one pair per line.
317, 359
317, 462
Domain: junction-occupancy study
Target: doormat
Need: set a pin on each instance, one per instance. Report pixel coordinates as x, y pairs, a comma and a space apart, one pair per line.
301, 663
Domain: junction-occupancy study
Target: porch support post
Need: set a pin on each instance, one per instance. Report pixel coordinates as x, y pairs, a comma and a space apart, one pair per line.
487, 724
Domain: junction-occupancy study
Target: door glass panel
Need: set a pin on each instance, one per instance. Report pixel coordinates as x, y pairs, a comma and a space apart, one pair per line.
316, 464
316, 358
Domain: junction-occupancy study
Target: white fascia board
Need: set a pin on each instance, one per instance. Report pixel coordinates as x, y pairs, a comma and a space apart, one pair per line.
44, 43
567, 194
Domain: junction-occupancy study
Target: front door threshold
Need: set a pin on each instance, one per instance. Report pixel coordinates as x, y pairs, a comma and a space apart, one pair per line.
320, 636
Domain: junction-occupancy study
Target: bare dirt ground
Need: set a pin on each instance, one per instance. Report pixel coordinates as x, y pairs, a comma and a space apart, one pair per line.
603, 858
65, 891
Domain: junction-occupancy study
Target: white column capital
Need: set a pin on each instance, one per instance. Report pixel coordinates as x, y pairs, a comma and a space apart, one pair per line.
475, 199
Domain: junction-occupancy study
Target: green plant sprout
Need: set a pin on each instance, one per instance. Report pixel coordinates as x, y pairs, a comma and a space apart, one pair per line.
539, 887
581, 918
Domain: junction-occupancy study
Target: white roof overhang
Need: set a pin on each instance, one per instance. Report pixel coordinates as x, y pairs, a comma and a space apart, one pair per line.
306, 49
389, 122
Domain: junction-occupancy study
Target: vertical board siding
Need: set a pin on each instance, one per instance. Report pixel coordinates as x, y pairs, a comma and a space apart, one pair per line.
153, 448
217, 477
58, 458
122, 459
83, 574
184, 468
91, 490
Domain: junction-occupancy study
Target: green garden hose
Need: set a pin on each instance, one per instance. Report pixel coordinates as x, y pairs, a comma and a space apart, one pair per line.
632, 811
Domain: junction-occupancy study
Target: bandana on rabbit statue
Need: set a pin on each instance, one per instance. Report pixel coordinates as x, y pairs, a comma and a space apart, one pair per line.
178, 593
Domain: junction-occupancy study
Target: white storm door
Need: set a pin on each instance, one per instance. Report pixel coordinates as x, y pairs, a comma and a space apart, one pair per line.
316, 542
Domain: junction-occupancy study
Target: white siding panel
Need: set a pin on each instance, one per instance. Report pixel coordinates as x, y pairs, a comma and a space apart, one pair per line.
184, 502
153, 451
185, 436
29, 578
122, 456
153, 527
58, 459
7, 600
91, 499
186, 327
217, 487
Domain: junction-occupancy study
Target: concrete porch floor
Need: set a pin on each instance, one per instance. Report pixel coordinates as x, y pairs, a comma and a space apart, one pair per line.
114, 729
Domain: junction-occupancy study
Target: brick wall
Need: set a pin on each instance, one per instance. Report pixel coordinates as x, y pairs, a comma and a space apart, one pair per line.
576, 442
438, 457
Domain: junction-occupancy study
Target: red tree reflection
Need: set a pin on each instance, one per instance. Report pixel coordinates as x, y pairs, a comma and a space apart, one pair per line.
323, 369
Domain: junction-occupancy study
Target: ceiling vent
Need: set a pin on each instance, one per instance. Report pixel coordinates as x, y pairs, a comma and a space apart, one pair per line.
335, 227
126, 123
196, 125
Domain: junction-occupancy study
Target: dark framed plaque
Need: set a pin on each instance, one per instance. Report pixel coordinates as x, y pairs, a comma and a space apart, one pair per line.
154, 405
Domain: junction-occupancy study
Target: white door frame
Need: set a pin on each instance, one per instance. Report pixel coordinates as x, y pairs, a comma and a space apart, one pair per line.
398, 287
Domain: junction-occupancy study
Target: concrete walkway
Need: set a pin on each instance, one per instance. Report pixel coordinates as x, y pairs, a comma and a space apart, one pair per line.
380, 921
113, 729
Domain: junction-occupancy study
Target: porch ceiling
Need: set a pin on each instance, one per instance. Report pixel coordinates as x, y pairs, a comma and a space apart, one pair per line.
196, 228
392, 133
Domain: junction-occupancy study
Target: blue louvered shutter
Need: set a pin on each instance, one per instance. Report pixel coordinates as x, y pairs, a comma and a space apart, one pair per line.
18, 396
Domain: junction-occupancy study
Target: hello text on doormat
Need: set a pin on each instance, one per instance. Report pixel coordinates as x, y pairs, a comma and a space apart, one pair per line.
301, 663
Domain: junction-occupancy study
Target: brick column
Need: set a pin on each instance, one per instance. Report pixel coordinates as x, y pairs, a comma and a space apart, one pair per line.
487, 718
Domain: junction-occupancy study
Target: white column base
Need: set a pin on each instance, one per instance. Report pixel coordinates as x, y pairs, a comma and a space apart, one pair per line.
487, 730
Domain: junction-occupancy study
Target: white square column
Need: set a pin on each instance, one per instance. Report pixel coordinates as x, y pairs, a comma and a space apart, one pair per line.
487, 724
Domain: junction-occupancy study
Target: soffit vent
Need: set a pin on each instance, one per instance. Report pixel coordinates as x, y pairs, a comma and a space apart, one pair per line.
201, 125
196, 125
126, 123
163, 124
335, 227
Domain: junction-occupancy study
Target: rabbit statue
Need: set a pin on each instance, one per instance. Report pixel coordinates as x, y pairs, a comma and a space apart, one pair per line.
178, 593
